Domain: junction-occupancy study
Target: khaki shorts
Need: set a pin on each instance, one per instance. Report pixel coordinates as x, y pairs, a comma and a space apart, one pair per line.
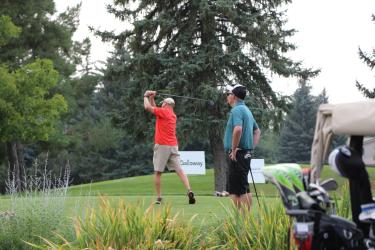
166, 156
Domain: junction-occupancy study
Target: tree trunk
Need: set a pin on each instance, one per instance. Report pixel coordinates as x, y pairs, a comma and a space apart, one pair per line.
220, 162
209, 77
21, 157
14, 163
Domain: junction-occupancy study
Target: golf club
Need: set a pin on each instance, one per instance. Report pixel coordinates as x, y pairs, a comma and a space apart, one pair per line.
255, 189
209, 102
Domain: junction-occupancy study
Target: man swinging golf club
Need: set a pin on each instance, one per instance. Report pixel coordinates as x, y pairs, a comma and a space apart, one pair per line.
166, 145
242, 134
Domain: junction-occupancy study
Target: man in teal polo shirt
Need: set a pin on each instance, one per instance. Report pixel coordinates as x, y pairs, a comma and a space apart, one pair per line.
242, 134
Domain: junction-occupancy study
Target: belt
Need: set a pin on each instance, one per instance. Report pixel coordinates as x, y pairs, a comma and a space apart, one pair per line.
241, 150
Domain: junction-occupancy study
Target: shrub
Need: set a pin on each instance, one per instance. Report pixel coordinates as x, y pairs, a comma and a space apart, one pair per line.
268, 229
39, 210
129, 227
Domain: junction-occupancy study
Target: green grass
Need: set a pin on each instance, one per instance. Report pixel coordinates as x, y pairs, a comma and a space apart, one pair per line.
208, 207
144, 185
207, 210
140, 190
171, 185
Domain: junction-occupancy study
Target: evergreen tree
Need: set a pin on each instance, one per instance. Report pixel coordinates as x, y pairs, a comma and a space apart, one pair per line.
42, 36
322, 98
370, 61
298, 130
196, 48
268, 147
96, 150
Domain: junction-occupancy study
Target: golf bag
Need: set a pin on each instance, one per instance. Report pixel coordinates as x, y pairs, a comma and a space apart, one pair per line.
315, 223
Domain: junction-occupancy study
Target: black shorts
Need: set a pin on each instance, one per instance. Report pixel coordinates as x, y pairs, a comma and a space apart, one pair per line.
238, 172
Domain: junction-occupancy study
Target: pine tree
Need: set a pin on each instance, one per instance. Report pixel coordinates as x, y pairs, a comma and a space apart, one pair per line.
196, 48
298, 131
370, 61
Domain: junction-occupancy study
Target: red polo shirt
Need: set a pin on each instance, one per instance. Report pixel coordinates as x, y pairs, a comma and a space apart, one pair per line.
165, 126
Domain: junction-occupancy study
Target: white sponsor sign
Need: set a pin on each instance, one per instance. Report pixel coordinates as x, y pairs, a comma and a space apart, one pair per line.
256, 168
193, 162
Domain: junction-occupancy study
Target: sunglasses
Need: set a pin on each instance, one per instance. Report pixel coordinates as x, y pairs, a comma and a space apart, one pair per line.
228, 94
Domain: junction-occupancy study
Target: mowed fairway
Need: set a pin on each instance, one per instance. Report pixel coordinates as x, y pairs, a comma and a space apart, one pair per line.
139, 191
207, 210
202, 185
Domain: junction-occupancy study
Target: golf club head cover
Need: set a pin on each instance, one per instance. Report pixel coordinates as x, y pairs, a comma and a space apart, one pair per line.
367, 213
347, 163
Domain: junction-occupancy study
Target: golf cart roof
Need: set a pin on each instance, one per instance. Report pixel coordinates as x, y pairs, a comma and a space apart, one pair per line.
340, 119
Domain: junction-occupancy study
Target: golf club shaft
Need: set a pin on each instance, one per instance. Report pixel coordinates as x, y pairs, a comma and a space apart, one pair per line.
255, 189
186, 97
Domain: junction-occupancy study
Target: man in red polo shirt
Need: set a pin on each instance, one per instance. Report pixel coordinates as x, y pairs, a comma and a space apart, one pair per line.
166, 145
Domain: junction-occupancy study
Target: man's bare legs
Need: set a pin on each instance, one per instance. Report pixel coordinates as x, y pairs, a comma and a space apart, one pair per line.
246, 200
183, 178
157, 183
186, 183
180, 174
242, 201
236, 200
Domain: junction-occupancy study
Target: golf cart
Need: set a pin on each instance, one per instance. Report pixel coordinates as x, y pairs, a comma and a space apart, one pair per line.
305, 196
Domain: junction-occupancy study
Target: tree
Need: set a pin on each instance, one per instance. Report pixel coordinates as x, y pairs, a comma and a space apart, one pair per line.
91, 141
44, 35
298, 131
87, 140
268, 147
7, 30
27, 113
196, 48
370, 61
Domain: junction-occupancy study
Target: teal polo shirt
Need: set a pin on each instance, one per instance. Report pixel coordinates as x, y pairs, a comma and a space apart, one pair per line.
240, 115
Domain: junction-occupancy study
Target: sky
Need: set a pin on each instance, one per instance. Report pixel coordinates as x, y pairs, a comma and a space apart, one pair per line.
329, 35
